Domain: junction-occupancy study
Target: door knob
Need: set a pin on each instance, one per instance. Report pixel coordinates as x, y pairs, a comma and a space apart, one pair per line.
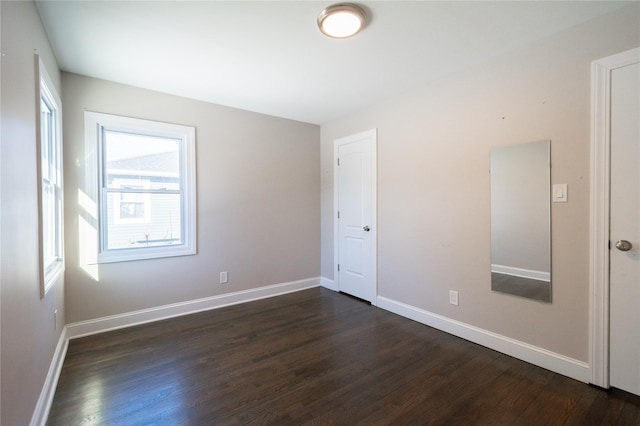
366, 228
623, 245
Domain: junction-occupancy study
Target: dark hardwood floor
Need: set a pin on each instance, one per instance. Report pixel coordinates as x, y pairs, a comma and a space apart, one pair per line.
313, 357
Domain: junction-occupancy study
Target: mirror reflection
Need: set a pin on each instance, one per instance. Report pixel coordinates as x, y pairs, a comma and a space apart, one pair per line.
520, 220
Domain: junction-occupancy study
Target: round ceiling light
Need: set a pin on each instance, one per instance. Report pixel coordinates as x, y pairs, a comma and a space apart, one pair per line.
341, 20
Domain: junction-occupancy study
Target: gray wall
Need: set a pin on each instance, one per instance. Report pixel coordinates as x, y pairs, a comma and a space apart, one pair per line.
29, 335
433, 182
258, 187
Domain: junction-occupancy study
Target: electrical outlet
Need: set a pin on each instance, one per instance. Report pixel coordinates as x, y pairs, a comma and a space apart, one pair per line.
453, 297
224, 278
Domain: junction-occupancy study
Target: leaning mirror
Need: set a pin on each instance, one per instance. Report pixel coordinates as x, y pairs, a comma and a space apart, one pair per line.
521, 220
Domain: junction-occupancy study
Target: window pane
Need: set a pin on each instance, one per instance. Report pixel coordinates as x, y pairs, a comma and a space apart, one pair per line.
162, 229
49, 239
46, 139
51, 193
132, 205
132, 156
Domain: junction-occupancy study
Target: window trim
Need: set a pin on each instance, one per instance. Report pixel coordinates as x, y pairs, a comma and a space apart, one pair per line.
51, 272
95, 124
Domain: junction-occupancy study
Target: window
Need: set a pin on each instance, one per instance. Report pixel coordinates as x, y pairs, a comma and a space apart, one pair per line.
49, 149
146, 187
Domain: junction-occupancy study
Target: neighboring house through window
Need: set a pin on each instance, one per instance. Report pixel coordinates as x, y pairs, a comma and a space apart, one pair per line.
132, 207
50, 204
146, 179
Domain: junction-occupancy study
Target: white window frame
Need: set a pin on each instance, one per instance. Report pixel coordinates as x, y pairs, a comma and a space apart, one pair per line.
50, 179
95, 126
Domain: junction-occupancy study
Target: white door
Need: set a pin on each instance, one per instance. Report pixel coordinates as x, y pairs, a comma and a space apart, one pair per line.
355, 201
624, 278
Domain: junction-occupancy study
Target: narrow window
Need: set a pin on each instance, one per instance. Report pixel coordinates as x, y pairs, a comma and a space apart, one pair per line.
49, 150
146, 179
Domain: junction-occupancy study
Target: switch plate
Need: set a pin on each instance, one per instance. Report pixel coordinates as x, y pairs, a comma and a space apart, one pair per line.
453, 297
560, 193
224, 278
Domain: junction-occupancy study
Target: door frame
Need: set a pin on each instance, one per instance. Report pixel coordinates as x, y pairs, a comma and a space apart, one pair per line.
373, 136
601, 70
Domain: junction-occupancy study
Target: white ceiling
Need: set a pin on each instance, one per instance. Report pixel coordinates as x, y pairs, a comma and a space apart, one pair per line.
270, 57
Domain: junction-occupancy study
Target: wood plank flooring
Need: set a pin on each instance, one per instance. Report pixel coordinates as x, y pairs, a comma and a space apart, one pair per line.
313, 357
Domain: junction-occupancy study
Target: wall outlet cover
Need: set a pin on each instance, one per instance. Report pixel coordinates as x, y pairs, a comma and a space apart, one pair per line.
453, 297
560, 193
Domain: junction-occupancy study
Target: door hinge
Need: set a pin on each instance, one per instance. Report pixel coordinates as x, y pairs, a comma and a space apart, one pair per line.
338, 161
338, 267
338, 214
609, 244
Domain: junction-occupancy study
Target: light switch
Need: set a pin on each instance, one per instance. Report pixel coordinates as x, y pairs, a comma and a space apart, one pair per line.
560, 193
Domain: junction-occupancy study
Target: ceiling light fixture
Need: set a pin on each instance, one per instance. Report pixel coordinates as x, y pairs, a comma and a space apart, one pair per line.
341, 20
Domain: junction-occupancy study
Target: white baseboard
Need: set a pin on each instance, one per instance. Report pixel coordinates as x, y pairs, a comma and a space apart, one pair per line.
520, 272
555, 362
114, 322
328, 284
41, 413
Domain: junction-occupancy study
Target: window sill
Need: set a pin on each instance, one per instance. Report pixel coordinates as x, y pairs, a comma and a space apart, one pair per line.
128, 255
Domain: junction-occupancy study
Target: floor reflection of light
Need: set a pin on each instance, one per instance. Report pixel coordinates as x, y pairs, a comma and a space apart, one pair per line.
156, 397
88, 235
92, 409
